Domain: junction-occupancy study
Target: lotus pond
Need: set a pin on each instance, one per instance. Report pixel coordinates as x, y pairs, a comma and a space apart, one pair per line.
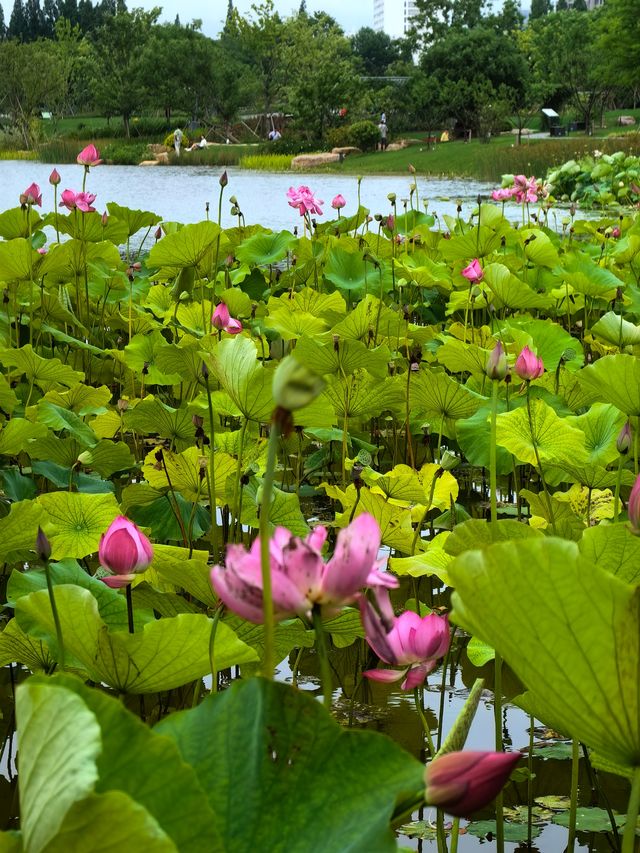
323, 540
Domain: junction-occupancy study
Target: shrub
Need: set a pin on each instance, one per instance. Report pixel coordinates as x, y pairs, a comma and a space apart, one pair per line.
186, 141
123, 154
338, 137
364, 135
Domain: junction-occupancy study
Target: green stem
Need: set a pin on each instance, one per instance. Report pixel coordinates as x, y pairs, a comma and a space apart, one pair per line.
212, 473
54, 611
616, 499
212, 640
629, 837
129, 608
417, 696
265, 562
493, 479
323, 656
573, 809
497, 717
455, 829
416, 535
552, 518
530, 785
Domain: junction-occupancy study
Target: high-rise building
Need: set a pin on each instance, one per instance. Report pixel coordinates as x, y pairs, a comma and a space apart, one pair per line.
393, 17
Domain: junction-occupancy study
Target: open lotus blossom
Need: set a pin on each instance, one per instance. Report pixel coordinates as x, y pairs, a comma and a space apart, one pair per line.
32, 195
528, 365
338, 202
222, 320
526, 189
409, 641
89, 156
460, 783
304, 199
473, 272
633, 508
125, 551
300, 578
80, 201
503, 194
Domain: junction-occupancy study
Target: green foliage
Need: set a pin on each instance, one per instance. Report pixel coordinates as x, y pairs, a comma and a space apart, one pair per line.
363, 134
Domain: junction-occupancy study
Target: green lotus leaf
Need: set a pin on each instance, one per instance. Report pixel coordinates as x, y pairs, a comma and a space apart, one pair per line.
195, 317
348, 271
478, 533
538, 248
265, 739
82, 399
368, 315
614, 329
548, 340
407, 222
284, 511
460, 357
88, 227
479, 653
8, 398
614, 379
57, 418
108, 457
152, 416
165, 654
68, 261
361, 395
133, 220
17, 486
613, 548
427, 273
185, 469
433, 561
474, 243
474, 438
576, 648
555, 439
17, 223
291, 325
343, 357
590, 279
18, 435
18, 529
265, 248
442, 401
182, 359
159, 301
567, 522
191, 246
507, 290
43, 372
236, 366
64, 476
159, 515
394, 521
328, 306
140, 356
589, 819
591, 475
57, 770
289, 635
18, 647
77, 521
601, 424
17, 260
401, 483
173, 565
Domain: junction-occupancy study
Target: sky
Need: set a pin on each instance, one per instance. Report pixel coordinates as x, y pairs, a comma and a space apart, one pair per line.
350, 15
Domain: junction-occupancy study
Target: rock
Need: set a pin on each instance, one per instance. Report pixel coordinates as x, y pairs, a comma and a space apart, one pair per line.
346, 150
157, 149
162, 158
149, 163
397, 146
308, 161
625, 121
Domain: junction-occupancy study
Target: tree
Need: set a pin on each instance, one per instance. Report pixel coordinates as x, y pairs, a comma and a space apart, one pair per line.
435, 19
17, 22
374, 50
3, 28
619, 42
539, 8
259, 42
118, 43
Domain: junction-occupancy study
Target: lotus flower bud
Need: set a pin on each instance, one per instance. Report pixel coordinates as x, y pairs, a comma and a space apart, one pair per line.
473, 272
392, 198
89, 156
528, 365
220, 317
223, 180
54, 178
105, 219
624, 440
496, 367
633, 508
294, 385
32, 195
460, 783
449, 461
43, 546
124, 549
338, 202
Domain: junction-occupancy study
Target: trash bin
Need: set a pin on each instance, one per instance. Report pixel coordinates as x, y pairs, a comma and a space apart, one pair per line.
558, 131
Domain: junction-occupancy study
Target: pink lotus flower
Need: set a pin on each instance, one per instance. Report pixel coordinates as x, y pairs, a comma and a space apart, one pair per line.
633, 508
304, 200
408, 641
528, 365
473, 272
300, 578
82, 201
222, 320
464, 782
615, 232
124, 550
32, 195
54, 178
89, 156
503, 194
338, 202
526, 189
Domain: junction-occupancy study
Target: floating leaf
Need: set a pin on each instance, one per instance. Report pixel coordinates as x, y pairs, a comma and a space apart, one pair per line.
590, 819
77, 521
556, 441
265, 247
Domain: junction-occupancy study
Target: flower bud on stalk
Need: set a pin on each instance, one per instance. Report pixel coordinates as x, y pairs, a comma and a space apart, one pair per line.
461, 783
496, 367
633, 508
623, 443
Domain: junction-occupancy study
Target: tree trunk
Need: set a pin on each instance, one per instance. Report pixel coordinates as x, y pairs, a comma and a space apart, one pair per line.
127, 129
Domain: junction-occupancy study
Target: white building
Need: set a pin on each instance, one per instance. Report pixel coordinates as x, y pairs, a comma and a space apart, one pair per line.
393, 17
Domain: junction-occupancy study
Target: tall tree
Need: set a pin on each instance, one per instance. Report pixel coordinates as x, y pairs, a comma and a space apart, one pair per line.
3, 28
539, 8
18, 22
436, 18
619, 41
259, 42
375, 51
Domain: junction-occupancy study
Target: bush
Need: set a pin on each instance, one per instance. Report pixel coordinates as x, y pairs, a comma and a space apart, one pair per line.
338, 137
364, 135
122, 154
291, 145
186, 141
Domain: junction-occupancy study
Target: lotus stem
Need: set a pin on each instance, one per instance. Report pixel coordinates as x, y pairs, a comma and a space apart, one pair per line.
530, 784
552, 518
629, 837
212, 473
573, 808
268, 667
417, 696
129, 608
455, 829
493, 476
212, 640
54, 611
497, 717
323, 657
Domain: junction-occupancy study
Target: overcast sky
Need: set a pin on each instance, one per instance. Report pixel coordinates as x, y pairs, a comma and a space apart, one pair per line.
350, 16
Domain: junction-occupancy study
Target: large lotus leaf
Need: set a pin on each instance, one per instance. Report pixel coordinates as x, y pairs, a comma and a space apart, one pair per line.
433, 561
77, 521
236, 366
291, 324
569, 630
474, 438
17, 223
18, 435
68, 261
173, 565
138, 766
394, 521
151, 416
369, 315
8, 398
289, 635
614, 329
349, 272
614, 379
361, 395
83, 399
188, 247
65, 476
184, 471
401, 484
548, 340
58, 769
507, 290
167, 653
18, 647
44, 372
613, 548
265, 247
474, 243
328, 306
538, 248
109, 823
567, 386
479, 533
284, 511
601, 424
88, 227
591, 475
266, 740
134, 220
140, 356
183, 359
460, 357
19, 529
343, 357
108, 457
424, 273
568, 521
590, 279
17, 260
436, 397
154, 510
555, 440
58, 418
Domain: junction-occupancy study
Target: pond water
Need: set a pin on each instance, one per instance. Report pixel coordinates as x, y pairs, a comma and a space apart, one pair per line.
181, 193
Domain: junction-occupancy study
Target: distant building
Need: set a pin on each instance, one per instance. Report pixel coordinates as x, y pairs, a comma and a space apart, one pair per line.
393, 17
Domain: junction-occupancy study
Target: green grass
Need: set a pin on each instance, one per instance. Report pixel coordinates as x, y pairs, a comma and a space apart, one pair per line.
267, 162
